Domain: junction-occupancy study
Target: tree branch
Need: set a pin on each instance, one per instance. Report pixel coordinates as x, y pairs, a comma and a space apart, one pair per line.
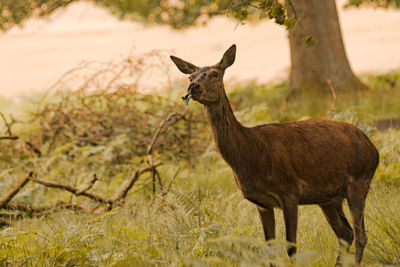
87, 187
150, 148
8, 125
161, 128
71, 189
121, 194
33, 211
9, 137
20, 184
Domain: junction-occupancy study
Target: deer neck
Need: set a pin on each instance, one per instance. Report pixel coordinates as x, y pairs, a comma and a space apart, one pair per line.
229, 135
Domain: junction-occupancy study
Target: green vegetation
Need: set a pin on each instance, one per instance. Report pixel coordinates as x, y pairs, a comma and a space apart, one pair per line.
178, 14
106, 126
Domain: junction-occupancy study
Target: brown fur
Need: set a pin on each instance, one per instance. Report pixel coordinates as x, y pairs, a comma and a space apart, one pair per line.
283, 165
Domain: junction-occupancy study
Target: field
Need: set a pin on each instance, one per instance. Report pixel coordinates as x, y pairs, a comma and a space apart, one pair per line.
185, 210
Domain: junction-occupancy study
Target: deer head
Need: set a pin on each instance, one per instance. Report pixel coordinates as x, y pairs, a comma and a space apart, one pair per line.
206, 83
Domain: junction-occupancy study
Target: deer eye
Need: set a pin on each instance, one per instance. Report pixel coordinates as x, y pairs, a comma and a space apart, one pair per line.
214, 74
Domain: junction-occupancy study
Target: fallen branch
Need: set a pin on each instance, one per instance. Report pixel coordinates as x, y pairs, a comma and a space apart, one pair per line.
121, 194
20, 184
33, 211
90, 185
71, 189
9, 137
116, 199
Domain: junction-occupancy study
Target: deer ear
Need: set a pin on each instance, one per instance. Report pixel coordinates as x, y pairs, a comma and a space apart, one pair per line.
184, 66
228, 58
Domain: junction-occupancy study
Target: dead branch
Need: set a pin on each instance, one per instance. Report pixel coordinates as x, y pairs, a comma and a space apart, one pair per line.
9, 137
34, 149
121, 194
71, 189
161, 128
87, 187
8, 125
34, 211
169, 119
116, 199
142, 187
172, 179
8, 131
20, 184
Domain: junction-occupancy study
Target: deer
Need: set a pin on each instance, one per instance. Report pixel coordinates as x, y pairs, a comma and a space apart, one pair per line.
284, 165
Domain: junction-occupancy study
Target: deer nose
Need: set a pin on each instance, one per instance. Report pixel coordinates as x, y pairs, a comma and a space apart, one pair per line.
193, 87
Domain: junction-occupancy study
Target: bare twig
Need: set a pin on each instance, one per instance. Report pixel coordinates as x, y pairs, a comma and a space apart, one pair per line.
189, 138
87, 187
172, 179
121, 194
8, 131
142, 187
161, 128
9, 137
158, 178
76, 124
20, 184
6, 124
169, 118
34, 149
72, 190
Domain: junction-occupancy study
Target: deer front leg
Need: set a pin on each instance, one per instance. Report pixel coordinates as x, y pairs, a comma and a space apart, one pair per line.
290, 210
268, 222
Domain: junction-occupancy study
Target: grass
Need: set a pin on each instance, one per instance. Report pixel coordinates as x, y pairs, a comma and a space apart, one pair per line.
203, 219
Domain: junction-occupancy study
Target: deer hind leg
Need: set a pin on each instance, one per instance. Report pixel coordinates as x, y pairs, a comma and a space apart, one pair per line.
290, 216
268, 222
356, 195
333, 212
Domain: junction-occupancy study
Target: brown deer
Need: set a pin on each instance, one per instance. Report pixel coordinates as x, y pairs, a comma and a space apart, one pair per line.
283, 165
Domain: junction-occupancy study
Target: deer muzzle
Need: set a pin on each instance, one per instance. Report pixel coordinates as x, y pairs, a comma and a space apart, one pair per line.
194, 88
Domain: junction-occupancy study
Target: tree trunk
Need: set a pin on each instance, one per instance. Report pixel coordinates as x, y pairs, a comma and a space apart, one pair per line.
314, 64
